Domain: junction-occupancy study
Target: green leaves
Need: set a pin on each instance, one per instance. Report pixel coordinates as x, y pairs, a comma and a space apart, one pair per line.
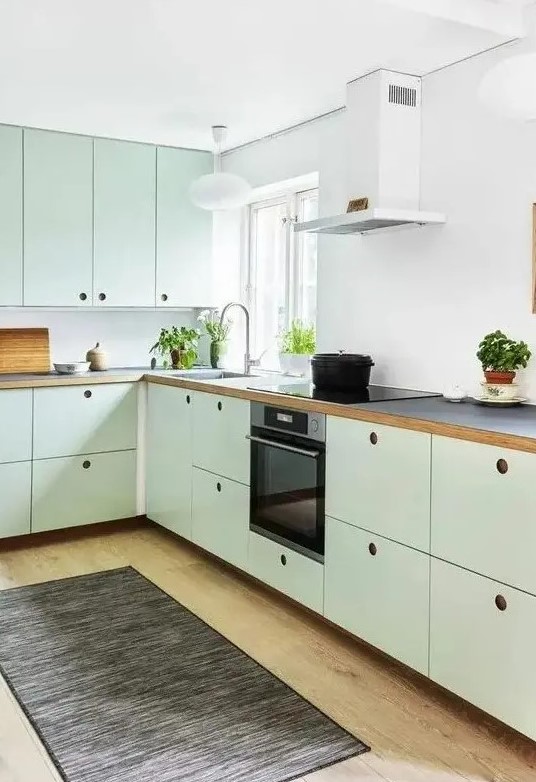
183, 338
502, 354
300, 338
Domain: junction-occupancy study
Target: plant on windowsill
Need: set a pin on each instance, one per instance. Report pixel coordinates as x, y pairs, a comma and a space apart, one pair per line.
297, 345
180, 344
501, 356
218, 333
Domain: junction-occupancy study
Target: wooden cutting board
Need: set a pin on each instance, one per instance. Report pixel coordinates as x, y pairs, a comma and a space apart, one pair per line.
24, 350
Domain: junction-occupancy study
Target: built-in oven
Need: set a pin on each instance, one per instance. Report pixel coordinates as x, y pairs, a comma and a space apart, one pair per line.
288, 477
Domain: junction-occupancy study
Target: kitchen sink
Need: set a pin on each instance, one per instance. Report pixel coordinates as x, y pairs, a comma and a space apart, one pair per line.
209, 374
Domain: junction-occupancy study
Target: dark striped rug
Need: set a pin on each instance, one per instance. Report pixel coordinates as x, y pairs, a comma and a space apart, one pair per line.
123, 684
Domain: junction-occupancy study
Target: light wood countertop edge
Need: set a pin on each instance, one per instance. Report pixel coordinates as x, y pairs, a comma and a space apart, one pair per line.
515, 442
485, 437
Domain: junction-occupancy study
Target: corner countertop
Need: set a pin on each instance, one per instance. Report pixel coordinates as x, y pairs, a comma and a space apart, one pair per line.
507, 428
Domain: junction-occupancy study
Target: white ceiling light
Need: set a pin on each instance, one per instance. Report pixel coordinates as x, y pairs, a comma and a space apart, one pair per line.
219, 190
509, 88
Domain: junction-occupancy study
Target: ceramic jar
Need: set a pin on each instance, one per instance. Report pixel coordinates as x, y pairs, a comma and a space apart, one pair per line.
98, 358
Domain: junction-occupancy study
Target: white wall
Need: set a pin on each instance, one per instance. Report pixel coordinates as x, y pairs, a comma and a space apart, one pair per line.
126, 335
419, 300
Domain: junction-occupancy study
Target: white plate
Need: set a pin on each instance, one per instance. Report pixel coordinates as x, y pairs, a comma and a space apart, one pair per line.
74, 368
486, 400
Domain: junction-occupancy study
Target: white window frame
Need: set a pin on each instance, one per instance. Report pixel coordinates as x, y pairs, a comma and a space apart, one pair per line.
289, 193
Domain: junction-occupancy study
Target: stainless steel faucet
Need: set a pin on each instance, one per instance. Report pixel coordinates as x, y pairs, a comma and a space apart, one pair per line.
248, 361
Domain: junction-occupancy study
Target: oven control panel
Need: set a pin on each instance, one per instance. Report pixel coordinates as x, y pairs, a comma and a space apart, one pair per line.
281, 419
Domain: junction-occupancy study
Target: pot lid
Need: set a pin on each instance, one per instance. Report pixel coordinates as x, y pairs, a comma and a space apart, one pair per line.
342, 358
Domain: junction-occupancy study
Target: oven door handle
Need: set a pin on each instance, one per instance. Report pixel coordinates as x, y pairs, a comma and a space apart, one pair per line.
292, 448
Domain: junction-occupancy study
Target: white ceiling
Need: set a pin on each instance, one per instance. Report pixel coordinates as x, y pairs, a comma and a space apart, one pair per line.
166, 70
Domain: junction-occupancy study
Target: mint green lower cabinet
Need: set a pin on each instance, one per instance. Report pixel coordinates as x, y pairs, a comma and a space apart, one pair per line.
15, 495
481, 653
379, 591
378, 478
221, 424
85, 419
296, 576
76, 490
220, 517
15, 425
169, 458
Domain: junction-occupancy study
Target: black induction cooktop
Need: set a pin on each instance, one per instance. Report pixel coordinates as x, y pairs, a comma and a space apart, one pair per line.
371, 394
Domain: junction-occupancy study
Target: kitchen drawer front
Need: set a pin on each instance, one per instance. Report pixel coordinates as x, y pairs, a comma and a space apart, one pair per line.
220, 517
169, 458
15, 498
379, 591
85, 419
76, 490
221, 424
291, 573
484, 654
378, 478
16, 425
484, 510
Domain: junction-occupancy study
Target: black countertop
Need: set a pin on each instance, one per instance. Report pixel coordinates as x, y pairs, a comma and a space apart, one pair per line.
519, 421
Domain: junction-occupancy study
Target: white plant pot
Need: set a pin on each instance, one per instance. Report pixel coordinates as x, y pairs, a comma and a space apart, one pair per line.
295, 364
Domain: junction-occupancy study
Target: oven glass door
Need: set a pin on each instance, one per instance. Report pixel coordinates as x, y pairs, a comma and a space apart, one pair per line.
288, 488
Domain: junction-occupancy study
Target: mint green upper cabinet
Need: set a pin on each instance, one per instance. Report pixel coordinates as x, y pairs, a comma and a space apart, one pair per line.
10, 216
58, 219
183, 231
125, 194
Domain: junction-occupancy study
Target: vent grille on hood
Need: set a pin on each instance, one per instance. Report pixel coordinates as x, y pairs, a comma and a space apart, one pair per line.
403, 96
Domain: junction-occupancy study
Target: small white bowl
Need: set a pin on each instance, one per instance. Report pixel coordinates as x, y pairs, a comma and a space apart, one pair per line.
501, 391
75, 368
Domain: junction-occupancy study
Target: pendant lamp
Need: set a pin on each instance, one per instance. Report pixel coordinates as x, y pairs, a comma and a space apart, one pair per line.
219, 190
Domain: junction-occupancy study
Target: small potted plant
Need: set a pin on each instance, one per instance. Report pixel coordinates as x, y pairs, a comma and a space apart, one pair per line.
501, 356
218, 333
298, 344
180, 344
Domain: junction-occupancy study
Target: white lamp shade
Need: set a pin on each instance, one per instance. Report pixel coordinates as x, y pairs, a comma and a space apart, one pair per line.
219, 191
509, 88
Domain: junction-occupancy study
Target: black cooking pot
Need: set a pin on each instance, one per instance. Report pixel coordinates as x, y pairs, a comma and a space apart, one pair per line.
341, 371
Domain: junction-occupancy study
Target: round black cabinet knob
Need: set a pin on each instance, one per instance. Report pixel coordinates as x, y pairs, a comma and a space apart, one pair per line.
373, 438
102, 297
164, 297
220, 406
502, 466
87, 394
372, 549
83, 297
188, 400
86, 464
283, 559
501, 603
218, 486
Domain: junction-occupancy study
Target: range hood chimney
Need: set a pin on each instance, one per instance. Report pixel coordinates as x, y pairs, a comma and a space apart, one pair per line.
383, 123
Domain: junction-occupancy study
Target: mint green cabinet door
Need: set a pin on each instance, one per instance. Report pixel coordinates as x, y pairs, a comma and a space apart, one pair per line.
125, 193
76, 490
58, 219
15, 425
379, 591
483, 510
378, 478
221, 424
220, 517
10, 216
289, 572
85, 419
183, 231
481, 653
169, 458
15, 497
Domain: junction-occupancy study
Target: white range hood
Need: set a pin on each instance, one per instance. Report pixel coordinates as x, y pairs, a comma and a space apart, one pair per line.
383, 124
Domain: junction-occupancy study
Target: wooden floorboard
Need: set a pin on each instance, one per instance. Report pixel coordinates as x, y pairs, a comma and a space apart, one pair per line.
415, 732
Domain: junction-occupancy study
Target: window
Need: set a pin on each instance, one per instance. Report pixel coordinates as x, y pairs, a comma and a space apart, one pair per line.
281, 270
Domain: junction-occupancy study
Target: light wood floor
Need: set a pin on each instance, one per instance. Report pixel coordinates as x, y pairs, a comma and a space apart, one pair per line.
417, 734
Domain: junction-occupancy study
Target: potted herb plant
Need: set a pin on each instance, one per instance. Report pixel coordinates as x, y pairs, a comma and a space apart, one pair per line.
501, 356
218, 333
180, 344
297, 345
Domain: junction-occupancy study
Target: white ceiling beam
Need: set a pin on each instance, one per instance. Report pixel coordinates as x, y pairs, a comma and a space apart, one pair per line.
504, 18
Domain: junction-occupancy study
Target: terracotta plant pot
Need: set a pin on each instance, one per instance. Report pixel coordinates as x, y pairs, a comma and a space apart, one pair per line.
177, 357
499, 378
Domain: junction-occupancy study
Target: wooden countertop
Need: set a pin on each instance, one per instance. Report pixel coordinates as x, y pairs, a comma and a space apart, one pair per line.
506, 428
